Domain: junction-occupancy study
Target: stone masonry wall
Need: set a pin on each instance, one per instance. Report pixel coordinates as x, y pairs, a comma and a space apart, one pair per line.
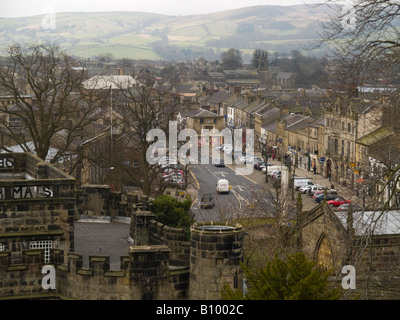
378, 270
215, 256
376, 259
144, 275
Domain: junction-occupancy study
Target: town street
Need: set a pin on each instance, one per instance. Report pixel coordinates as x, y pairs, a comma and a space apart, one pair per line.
245, 193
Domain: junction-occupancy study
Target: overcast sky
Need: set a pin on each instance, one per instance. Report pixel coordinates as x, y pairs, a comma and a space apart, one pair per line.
23, 8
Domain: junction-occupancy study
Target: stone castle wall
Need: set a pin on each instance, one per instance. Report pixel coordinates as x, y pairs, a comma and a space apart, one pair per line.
23, 279
144, 275
39, 204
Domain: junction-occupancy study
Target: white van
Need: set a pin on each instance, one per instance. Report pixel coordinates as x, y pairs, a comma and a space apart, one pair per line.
223, 186
302, 182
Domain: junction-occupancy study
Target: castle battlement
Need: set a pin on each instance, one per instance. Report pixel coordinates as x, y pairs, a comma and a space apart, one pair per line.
37, 258
144, 274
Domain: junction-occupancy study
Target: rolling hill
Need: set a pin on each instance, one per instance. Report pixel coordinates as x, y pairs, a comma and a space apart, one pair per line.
139, 35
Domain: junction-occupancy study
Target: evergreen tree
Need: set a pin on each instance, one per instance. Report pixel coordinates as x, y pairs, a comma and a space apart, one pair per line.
295, 278
174, 213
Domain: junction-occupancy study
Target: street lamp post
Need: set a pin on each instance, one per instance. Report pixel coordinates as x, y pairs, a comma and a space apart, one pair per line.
264, 153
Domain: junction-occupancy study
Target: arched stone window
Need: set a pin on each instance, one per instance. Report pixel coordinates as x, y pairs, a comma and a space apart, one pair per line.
323, 252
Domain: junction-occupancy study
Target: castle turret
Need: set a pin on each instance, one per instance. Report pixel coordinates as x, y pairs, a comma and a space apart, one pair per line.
216, 252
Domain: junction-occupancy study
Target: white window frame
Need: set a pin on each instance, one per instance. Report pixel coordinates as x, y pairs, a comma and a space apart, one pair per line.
47, 245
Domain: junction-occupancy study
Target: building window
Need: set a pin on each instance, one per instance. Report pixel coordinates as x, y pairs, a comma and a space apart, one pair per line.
349, 127
342, 149
46, 245
2, 247
336, 147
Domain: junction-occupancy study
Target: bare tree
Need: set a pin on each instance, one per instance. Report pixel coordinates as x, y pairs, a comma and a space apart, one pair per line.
365, 39
363, 36
51, 108
266, 218
145, 105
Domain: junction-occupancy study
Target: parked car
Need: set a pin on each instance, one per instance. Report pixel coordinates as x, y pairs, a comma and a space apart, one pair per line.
346, 207
320, 197
310, 189
246, 158
227, 148
338, 201
253, 159
329, 191
263, 167
274, 174
222, 146
258, 164
305, 189
273, 168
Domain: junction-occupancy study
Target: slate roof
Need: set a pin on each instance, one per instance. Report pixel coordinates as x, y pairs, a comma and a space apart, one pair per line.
199, 113
300, 124
206, 114
373, 222
375, 136
219, 96
270, 113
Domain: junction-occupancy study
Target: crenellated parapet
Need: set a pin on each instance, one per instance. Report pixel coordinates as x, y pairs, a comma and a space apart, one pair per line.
144, 274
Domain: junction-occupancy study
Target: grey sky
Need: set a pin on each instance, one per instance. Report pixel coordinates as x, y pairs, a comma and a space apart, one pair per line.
22, 8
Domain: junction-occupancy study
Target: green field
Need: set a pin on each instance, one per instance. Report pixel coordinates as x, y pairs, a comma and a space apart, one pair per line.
136, 34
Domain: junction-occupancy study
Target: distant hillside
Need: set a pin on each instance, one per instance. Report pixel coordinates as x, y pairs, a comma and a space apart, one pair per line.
140, 35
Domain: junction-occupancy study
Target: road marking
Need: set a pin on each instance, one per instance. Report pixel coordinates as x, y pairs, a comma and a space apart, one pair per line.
195, 179
233, 169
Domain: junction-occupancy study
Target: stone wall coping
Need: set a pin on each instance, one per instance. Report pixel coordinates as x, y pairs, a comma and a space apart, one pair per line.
216, 227
31, 233
152, 248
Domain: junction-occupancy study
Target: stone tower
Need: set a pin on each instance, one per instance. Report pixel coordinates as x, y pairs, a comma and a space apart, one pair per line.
215, 255
260, 63
260, 60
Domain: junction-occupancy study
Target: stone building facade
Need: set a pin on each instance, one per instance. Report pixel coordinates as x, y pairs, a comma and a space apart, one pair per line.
368, 240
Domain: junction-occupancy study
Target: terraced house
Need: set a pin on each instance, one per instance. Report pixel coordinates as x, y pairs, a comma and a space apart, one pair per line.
346, 121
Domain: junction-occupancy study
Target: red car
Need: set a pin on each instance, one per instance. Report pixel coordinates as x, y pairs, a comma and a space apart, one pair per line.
338, 201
